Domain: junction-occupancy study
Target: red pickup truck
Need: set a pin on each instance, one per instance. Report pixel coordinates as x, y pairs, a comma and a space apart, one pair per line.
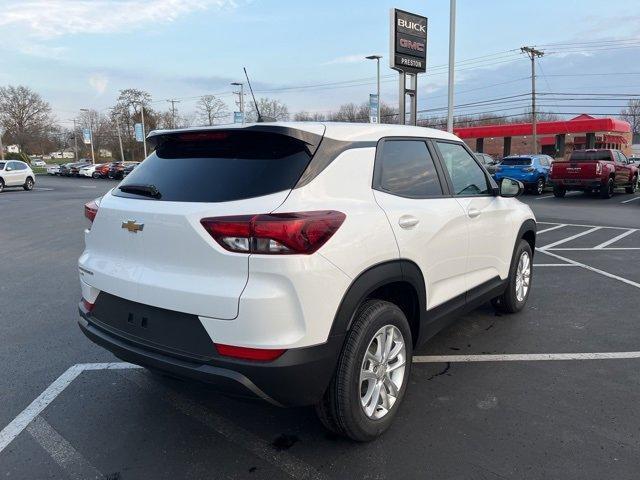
600, 170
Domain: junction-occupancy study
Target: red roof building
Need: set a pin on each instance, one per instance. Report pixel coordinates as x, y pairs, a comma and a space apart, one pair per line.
555, 138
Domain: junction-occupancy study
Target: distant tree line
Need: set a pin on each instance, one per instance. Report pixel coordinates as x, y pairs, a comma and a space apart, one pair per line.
27, 120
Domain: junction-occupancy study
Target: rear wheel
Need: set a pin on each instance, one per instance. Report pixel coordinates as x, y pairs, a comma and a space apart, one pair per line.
1, 185
28, 184
606, 191
372, 375
515, 296
539, 187
633, 187
559, 192
95, 175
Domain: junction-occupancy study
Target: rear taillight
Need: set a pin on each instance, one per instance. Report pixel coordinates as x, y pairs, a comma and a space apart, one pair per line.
91, 209
274, 234
88, 306
598, 168
244, 353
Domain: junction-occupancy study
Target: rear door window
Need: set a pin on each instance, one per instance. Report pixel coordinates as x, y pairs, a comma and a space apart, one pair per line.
405, 168
219, 166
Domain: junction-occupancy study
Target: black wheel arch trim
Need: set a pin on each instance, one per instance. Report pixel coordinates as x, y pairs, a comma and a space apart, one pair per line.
376, 276
528, 225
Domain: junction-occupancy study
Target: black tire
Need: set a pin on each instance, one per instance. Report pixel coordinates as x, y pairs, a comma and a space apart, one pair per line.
28, 184
539, 186
606, 191
95, 175
633, 187
1, 185
508, 302
559, 192
340, 409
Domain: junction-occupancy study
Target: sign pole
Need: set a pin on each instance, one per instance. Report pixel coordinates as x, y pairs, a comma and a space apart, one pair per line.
452, 53
144, 133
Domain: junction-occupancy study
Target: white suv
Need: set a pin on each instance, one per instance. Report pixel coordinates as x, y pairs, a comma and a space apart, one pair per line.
14, 173
301, 263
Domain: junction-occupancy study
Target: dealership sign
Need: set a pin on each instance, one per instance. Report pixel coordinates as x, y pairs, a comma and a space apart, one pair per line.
408, 42
86, 136
137, 128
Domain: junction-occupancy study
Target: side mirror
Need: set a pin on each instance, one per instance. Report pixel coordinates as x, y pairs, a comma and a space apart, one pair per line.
510, 188
8, 169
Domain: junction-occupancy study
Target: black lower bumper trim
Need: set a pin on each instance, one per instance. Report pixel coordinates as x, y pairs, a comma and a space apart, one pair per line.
299, 377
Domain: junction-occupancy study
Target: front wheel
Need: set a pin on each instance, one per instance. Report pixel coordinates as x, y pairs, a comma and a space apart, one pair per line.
372, 375
1, 185
519, 283
28, 184
633, 187
539, 187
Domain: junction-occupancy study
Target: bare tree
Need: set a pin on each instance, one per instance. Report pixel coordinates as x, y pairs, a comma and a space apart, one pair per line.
305, 116
269, 107
632, 115
25, 116
211, 109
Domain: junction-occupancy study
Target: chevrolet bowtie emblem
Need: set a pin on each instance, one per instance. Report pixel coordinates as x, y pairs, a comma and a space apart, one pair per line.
132, 226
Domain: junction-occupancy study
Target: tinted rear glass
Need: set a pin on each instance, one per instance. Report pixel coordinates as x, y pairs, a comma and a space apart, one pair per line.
220, 166
516, 161
1, 165
587, 156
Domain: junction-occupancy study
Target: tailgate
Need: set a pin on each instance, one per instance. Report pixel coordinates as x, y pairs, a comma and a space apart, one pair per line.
574, 170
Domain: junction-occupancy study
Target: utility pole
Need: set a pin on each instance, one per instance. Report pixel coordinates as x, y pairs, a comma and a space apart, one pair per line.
1, 147
173, 113
532, 53
241, 97
452, 55
115, 115
75, 140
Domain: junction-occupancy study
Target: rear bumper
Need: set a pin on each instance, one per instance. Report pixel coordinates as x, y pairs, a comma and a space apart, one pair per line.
298, 377
577, 183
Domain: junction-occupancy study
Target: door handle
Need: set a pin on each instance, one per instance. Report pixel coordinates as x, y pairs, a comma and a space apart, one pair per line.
408, 221
473, 212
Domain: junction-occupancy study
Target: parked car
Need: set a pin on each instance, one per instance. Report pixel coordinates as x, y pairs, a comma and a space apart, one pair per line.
103, 170
116, 170
601, 170
532, 170
14, 173
53, 169
74, 171
488, 161
301, 263
635, 161
129, 168
38, 163
90, 170
64, 169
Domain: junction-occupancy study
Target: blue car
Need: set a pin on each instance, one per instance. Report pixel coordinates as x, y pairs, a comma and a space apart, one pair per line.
532, 170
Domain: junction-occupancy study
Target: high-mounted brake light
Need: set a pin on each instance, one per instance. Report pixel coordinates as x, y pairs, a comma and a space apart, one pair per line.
244, 353
91, 209
274, 234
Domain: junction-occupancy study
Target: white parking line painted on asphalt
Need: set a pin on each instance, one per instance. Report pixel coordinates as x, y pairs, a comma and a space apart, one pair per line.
554, 265
551, 196
43, 189
631, 200
525, 357
582, 225
560, 225
88, 186
615, 239
568, 239
588, 249
18, 424
61, 451
593, 269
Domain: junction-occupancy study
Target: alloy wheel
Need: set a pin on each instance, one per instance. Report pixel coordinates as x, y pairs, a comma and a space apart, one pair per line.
382, 372
523, 276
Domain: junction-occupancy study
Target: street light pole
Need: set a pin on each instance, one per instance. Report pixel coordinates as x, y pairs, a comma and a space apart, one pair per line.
377, 59
144, 132
1, 147
452, 55
115, 115
93, 155
75, 140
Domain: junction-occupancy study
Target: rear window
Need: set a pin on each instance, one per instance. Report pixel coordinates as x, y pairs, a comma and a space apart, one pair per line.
589, 156
516, 161
220, 166
2, 165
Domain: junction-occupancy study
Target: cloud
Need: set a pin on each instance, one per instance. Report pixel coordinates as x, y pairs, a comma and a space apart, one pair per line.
98, 82
355, 58
54, 18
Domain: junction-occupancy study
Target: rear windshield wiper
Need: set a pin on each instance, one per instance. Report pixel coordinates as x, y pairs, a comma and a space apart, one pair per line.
144, 190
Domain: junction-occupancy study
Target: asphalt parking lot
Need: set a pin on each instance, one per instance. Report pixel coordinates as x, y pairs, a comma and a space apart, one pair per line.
553, 392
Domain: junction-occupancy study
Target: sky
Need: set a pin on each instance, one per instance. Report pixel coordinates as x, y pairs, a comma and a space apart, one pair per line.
80, 53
